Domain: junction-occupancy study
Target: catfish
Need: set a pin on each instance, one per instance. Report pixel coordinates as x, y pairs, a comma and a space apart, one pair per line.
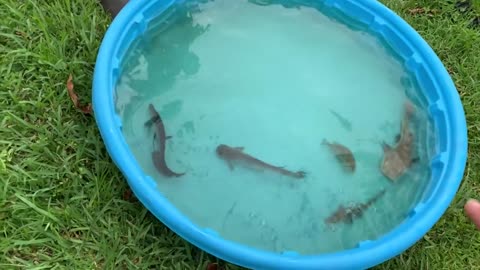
158, 156
349, 214
397, 160
236, 155
343, 155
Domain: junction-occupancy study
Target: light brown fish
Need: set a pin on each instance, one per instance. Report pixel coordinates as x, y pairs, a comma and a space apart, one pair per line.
349, 214
236, 154
398, 159
343, 155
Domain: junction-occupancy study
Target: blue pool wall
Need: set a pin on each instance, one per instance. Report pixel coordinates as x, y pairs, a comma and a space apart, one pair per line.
440, 96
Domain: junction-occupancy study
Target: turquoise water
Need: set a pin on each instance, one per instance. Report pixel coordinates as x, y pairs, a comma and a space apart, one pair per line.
276, 81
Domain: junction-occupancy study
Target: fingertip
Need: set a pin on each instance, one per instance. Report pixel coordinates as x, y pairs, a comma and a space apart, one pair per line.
472, 203
472, 210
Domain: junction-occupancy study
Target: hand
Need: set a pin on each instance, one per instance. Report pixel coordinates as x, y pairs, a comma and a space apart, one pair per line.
472, 209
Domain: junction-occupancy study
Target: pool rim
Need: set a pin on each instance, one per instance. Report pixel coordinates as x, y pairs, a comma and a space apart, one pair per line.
369, 253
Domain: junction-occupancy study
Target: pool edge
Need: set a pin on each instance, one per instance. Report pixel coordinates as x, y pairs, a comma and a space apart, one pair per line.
111, 136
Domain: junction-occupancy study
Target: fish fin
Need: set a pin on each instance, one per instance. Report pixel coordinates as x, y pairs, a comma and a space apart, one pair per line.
152, 120
301, 174
230, 165
148, 123
240, 148
386, 146
168, 137
415, 159
397, 138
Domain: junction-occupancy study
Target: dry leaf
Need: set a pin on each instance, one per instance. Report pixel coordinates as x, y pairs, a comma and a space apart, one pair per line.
214, 266
414, 11
417, 11
87, 109
127, 195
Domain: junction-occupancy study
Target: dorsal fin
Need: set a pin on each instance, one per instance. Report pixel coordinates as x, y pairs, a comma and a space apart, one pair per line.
386, 147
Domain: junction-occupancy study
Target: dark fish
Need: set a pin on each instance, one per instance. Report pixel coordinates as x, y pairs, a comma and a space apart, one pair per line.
158, 157
349, 214
343, 155
398, 159
235, 154
113, 6
343, 121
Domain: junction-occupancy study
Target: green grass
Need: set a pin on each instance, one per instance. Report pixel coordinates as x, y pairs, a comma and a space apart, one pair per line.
62, 200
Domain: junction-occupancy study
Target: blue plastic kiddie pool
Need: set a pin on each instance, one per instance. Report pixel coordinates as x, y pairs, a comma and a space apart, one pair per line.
443, 103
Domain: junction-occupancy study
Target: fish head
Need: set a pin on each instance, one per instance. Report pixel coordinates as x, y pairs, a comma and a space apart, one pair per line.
223, 150
226, 151
151, 108
409, 108
392, 164
338, 216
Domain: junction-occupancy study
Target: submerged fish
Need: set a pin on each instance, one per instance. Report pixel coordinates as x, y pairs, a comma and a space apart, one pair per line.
398, 159
158, 157
236, 154
343, 155
343, 121
349, 214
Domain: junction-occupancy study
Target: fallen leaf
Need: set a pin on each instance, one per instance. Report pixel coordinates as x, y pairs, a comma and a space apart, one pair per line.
414, 11
72, 93
127, 194
214, 266
420, 10
87, 109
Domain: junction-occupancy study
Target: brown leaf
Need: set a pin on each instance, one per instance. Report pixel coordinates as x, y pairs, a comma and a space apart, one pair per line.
214, 266
420, 10
414, 11
71, 93
87, 109
127, 194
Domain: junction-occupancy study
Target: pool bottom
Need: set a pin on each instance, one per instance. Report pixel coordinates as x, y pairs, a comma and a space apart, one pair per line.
267, 210
279, 107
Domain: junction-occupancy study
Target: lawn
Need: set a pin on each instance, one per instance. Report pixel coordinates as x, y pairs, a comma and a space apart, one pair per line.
64, 204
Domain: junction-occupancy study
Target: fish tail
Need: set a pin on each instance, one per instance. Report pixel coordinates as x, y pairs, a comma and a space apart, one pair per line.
300, 174
161, 165
169, 172
177, 174
376, 197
